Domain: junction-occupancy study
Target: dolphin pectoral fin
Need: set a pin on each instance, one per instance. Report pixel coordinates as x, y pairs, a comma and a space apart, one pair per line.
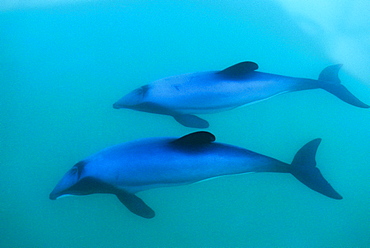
191, 121
238, 70
135, 204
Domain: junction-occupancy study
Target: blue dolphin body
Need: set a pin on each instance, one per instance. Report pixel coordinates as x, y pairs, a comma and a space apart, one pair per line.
183, 96
128, 168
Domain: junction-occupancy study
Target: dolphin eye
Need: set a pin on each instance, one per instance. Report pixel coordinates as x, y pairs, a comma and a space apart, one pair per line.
143, 90
78, 168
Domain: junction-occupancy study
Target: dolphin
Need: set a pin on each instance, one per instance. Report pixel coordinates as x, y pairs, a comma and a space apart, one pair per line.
183, 96
131, 167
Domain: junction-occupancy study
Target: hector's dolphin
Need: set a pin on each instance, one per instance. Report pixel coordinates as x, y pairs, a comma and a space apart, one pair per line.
184, 95
128, 168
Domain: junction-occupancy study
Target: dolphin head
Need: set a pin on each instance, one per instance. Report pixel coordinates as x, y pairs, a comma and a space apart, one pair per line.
69, 184
77, 181
132, 99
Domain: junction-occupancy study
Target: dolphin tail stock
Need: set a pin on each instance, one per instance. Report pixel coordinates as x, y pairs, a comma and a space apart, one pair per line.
330, 82
304, 169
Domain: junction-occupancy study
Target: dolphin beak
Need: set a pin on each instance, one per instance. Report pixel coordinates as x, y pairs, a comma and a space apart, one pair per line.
54, 195
124, 102
133, 98
117, 105
65, 184
57, 192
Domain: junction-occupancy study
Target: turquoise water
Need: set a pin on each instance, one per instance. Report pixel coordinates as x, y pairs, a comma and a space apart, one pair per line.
64, 65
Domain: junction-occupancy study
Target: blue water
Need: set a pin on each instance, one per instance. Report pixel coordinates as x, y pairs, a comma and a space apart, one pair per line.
63, 65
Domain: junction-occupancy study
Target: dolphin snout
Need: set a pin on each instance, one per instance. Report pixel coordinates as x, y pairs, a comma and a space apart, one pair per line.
53, 196
116, 105
132, 99
122, 103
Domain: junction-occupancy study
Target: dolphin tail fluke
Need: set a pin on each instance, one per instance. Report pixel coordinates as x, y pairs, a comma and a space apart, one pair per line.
304, 169
330, 82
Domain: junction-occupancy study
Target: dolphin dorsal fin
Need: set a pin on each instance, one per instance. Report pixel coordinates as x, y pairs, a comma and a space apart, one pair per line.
196, 138
238, 70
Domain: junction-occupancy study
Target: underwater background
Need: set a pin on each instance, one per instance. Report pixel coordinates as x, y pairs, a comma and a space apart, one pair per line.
63, 65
